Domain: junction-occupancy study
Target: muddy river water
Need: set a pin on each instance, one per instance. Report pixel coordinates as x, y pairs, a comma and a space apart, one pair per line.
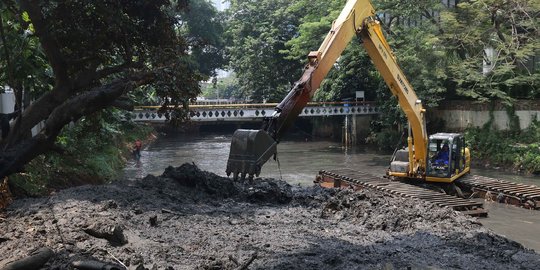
300, 161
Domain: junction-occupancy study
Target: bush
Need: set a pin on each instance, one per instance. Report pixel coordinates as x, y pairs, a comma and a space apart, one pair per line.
517, 149
94, 151
386, 139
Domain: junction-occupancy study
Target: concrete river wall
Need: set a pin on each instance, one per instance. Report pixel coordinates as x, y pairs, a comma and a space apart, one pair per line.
459, 115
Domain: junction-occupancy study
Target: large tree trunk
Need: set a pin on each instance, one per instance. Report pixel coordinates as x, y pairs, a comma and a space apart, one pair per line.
79, 75
15, 156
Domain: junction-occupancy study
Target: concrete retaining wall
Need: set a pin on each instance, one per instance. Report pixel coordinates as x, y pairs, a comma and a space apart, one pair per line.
332, 128
361, 128
459, 115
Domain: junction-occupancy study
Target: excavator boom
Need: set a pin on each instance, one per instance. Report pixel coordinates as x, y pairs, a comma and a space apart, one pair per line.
250, 149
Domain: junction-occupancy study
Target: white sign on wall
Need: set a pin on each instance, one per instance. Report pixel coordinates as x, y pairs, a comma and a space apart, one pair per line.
7, 102
360, 94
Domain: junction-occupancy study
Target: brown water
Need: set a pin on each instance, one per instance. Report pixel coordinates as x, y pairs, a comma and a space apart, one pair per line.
299, 163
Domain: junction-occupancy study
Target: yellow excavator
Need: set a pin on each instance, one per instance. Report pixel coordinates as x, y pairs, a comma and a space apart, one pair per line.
441, 157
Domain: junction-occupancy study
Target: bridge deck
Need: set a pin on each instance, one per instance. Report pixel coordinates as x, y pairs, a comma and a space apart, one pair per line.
252, 112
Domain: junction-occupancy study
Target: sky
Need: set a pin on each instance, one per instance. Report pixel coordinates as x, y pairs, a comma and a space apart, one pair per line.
220, 5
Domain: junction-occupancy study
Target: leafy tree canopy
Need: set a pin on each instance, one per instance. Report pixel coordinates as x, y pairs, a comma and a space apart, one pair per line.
492, 44
74, 58
256, 35
222, 88
202, 27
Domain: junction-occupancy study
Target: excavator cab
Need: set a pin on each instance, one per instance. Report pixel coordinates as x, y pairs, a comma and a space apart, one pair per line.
448, 158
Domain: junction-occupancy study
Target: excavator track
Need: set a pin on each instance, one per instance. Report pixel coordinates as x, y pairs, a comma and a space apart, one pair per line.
527, 196
356, 179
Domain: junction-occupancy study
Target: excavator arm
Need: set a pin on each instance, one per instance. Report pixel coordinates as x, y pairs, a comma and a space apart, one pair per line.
250, 149
382, 56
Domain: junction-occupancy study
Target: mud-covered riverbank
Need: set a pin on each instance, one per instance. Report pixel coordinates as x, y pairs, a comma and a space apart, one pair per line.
190, 219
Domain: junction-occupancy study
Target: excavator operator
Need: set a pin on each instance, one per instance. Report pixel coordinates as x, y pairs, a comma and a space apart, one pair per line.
442, 157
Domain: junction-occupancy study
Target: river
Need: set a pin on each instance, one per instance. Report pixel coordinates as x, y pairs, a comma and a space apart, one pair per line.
299, 163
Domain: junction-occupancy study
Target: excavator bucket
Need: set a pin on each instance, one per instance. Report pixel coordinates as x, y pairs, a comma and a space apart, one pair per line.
250, 149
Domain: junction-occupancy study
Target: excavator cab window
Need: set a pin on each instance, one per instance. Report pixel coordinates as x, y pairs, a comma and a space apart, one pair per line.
440, 154
462, 158
459, 154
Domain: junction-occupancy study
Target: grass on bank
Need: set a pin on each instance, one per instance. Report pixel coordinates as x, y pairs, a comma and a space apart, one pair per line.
95, 150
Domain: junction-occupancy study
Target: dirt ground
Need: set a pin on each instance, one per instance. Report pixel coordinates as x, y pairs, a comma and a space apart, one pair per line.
191, 219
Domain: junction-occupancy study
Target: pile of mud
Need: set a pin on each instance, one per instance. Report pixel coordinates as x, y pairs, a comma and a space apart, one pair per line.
191, 219
262, 190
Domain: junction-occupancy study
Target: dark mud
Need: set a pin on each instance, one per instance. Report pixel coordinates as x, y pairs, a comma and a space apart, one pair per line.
191, 219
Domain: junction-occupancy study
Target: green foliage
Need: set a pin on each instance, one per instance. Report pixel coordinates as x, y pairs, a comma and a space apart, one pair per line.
354, 72
519, 150
315, 22
109, 33
417, 50
222, 88
30, 183
514, 125
22, 62
442, 56
75, 58
87, 44
411, 9
256, 33
202, 26
491, 44
414, 35
422, 60
386, 139
440, 50
94, 151
531, 159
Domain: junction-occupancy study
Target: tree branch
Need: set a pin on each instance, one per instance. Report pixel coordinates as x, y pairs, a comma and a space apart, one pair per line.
6, 52
92, 101
49, 44
92, 75
43, 107
45, 104
17, 88
37, 112
12, 159
124, 104
433, 21
497, 25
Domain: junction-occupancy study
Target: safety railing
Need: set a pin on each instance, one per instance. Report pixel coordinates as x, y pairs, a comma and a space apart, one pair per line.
253, 112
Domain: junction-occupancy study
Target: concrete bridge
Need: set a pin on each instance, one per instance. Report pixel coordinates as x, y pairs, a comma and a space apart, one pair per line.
254, 112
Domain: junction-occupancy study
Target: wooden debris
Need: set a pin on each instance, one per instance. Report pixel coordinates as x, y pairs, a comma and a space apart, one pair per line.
248, 262
35, 261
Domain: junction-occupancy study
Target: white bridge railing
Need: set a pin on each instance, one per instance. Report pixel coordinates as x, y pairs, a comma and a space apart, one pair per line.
252, 112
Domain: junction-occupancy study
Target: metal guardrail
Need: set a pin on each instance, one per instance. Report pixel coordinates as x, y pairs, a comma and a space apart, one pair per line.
251, 112
264, 105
